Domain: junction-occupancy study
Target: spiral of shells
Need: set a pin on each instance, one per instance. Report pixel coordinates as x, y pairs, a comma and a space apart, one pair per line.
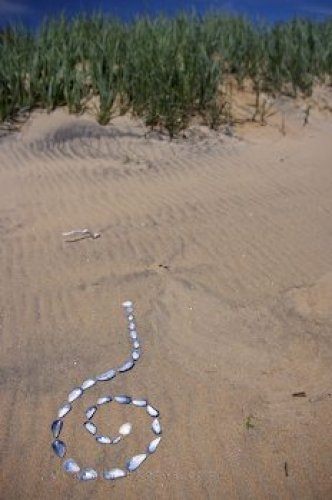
59, 447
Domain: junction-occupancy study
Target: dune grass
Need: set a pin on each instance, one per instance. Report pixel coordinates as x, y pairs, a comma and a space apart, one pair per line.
164, 70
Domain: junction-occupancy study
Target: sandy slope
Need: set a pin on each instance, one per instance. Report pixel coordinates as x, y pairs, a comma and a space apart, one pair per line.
225, 247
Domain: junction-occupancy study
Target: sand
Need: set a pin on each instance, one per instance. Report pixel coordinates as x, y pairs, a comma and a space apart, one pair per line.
224, 244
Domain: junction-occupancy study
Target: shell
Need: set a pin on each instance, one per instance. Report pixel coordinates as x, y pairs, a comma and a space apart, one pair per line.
127, 303
106, 376
103, 439
87, 474
136, 344
64, 410
153, 412
132, 326
133, 334
56, 428
90, 427
135, 462
116, 440
114, 474
156, 426
71, 466
154, 445
90, 412
139, 402
131, 317
128, 365
125, 429
75, 394
59, 448
88, 383
135, 355
103, 400
123, 399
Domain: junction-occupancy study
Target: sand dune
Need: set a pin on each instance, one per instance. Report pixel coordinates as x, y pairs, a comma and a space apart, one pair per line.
224, 245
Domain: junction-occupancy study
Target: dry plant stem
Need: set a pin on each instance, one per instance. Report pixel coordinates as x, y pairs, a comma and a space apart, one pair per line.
79, 234
306, 116
283, 124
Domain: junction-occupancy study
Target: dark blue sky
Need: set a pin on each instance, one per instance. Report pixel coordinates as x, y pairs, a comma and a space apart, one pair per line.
33, 11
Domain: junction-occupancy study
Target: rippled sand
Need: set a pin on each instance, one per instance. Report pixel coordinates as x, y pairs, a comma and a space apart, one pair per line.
225, 246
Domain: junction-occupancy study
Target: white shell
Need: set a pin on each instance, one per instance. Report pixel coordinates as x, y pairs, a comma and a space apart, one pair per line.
156, 426
135, 462
133, 334
114, 474
90, 427
116, 440
88, 383
75, 394
153, 412
127, 304
123, 399
126, 366
103, 439
135, 355
87, 474
64, 410
90, 412
132, 326
154, 445
103, 400
125, 429
136, 344
139, 402
71, 466
107, 375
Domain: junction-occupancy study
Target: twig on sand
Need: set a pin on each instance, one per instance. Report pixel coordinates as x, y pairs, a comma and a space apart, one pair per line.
301, 394
283, 124
306, 115
79, 234
286, 469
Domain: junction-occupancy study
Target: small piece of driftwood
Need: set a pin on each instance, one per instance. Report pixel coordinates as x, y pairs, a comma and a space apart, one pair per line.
79, 234
286, 469
301, 394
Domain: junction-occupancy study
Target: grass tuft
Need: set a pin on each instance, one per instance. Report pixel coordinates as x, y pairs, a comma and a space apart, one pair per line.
164, 70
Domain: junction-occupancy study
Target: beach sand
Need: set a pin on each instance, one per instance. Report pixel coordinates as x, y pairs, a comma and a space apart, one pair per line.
224, 245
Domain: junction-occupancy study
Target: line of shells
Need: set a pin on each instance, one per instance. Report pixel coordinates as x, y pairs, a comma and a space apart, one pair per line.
60, 448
